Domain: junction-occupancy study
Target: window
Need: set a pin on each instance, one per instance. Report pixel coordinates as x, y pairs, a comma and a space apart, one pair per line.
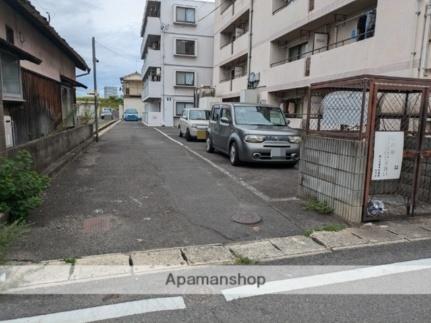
215, 113
185, 47
67, 106
185, 15
297, 52
226, 113
11, 76
186, 78
127, 91
10, 37
181, 106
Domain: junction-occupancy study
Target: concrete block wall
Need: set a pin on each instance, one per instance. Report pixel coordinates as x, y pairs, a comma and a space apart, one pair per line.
333, 170
48, 149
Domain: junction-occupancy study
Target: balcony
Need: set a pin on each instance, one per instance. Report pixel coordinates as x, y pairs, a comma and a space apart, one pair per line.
153, 28
235, 49
234, 86
233, 11
339, 62
153, 58
152, 91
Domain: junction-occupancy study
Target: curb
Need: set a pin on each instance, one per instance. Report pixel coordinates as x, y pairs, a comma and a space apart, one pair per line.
59, 164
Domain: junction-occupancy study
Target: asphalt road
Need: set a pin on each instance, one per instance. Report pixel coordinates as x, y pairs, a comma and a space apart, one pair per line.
136, 190
273, 308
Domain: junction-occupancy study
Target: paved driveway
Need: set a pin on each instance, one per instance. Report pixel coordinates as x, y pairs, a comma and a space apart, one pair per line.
137, 189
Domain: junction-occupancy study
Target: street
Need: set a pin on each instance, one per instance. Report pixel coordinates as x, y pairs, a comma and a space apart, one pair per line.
277, 308
138, 190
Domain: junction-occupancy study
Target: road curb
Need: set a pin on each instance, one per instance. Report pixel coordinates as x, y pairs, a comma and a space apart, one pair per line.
141, 262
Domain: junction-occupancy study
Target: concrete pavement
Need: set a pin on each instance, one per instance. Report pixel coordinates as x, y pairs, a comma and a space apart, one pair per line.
137, 190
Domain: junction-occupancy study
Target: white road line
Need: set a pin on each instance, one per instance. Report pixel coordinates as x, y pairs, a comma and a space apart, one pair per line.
244, 184
295, 284
109, 311
104, 131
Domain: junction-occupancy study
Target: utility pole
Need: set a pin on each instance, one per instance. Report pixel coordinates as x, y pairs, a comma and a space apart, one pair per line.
2, 130
96, 99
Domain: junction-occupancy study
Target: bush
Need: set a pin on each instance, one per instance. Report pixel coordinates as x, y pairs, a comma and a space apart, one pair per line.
21, 187
8, 234
319, 207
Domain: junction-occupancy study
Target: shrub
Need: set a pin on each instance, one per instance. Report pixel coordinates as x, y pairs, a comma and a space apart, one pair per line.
21, 187
327, 228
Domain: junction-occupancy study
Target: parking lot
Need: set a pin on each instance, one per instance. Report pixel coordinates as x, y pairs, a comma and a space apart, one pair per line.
142, 188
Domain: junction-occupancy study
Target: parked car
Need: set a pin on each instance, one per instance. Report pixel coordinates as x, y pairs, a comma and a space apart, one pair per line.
252, 133
106, 113
131, 115
193, 124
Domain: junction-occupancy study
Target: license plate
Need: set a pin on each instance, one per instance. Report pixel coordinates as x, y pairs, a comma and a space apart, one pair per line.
201, 135
278, 152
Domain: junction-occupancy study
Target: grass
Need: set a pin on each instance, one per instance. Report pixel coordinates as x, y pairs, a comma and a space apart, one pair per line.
244, 261
326, 228
70, 261
9, 234
319, 207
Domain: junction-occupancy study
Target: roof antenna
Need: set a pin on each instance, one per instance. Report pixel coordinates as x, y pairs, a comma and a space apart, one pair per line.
49, 17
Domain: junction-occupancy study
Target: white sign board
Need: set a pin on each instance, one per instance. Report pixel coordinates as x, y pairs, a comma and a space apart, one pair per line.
388, 155
321, 41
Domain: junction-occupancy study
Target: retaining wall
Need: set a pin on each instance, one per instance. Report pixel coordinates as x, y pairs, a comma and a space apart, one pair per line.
48, 149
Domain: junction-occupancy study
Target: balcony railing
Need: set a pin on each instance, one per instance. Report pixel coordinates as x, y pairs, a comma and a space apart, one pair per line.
281, 6
334, 45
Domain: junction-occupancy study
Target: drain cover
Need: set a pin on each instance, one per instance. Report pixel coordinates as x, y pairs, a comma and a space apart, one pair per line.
248, 219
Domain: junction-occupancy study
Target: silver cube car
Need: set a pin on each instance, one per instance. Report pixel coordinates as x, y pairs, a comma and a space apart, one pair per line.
252, 133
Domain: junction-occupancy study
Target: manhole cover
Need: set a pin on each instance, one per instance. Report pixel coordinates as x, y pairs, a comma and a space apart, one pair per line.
247, 219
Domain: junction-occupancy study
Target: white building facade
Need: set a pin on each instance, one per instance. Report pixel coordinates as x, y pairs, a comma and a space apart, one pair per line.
286, 45
177, 50
132, 87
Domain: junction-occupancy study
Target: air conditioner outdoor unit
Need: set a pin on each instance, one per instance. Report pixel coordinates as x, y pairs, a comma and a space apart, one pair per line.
8, 131
158, 71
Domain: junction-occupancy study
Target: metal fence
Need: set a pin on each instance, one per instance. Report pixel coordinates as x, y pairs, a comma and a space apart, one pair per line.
392, 116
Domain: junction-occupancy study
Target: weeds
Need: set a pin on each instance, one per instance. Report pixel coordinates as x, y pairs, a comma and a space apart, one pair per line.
326, 228
319, 207
9, 234
70, 261
244, 261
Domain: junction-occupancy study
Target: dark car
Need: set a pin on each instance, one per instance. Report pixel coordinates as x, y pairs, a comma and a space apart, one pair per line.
252, 133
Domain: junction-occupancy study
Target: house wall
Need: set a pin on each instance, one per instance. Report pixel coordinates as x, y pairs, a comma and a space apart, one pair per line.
166, 90
395, 49
54, 61
134, 103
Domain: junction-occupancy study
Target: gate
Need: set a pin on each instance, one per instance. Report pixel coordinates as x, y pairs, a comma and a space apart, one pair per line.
388, 121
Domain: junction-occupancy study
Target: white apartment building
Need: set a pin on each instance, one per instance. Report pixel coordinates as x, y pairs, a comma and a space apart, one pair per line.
283, 46
177, 49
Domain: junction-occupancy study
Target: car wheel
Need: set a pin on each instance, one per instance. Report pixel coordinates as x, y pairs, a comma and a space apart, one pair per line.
181, 133
188, 135
210, 147
233, 155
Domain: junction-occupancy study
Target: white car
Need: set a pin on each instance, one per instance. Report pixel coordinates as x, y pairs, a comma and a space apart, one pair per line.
194, 124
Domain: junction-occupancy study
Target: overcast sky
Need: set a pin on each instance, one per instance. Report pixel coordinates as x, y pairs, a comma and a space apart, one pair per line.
115, 24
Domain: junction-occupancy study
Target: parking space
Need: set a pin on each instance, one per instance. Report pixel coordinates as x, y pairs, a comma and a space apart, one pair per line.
278, 182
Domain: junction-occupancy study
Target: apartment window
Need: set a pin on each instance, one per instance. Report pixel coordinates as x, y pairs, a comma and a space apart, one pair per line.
366, 25
277, 5
186, 15
11, 76
186, 47
297, 52
10, 37
181, 106
186, 78
310, 5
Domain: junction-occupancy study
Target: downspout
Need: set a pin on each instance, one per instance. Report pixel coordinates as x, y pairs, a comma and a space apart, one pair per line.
423, 60
250, 46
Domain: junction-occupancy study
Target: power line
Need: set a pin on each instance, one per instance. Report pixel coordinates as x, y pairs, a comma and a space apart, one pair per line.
128, 56
211, 12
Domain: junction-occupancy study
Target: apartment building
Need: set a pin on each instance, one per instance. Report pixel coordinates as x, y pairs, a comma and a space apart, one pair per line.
280, 47
177, 49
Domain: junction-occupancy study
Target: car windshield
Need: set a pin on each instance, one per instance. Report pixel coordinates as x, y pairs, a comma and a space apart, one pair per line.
199, 115
259, 116
131, 111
